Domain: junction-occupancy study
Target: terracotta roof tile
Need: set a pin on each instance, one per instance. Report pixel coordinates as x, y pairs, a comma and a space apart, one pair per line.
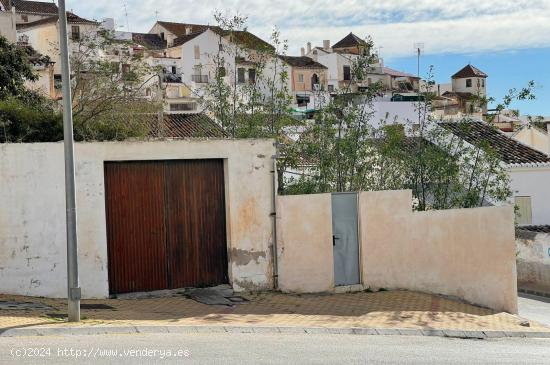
35, 7
71, 19
197, 125
351, 40
149, 41
508, 149
469, 71
302, 61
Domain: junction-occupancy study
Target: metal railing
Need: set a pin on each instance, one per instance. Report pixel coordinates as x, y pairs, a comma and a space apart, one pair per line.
200, 79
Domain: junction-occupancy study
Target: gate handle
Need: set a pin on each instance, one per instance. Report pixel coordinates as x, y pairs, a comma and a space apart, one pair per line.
334, 238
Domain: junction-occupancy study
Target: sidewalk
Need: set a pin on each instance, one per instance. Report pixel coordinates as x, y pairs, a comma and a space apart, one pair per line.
398, 310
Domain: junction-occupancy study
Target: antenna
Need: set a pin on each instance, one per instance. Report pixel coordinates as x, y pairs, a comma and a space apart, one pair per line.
157, 14
419, 48
126, 15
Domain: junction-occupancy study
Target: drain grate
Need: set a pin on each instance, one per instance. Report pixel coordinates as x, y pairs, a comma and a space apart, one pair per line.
95, 306
12, 305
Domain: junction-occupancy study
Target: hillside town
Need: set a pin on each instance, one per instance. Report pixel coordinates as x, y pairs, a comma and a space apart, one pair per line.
222, 180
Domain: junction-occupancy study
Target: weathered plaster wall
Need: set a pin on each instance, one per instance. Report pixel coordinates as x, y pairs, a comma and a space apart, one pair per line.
32, 211
304, 243
468, 253
533, 258
533, 182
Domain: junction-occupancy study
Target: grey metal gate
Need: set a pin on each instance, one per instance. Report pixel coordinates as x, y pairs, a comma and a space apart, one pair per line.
345, 238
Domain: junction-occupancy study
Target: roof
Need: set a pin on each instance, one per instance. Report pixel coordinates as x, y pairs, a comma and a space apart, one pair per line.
195, 125
351, 40
186, 38
538, 229
469, 71
186, 30
302, 61
149, 41
35, 7
71, 19
507, 149
395, 73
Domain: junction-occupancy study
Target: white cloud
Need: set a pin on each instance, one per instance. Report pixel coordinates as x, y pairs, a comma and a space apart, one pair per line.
444, 26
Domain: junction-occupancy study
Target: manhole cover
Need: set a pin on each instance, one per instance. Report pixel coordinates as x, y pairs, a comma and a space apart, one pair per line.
95, 306
12, 305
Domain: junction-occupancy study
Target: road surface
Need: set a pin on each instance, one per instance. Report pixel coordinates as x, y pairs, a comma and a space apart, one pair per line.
224, 348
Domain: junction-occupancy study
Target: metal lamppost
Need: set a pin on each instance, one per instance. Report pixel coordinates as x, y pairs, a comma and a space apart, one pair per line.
70, 194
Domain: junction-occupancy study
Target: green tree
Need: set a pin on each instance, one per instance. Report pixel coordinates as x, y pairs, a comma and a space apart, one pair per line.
346, 150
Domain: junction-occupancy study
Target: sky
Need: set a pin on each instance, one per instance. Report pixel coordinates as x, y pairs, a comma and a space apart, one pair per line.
507, 39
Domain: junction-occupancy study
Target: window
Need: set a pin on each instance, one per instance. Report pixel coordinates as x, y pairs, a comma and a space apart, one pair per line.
347, 73
331, 88
197, 52
183, 107
523, 212
300, 77
57, 82
174, 70
148, 91
162, 35
240, 75
468, 82
251, 75
482, 82
220, 47
302, 100
75, 33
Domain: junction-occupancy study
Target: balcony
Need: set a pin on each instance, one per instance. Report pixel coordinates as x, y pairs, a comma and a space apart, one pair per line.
172, 78
200, 79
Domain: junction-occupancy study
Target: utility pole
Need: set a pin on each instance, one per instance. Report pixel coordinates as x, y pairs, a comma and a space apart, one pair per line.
73, 289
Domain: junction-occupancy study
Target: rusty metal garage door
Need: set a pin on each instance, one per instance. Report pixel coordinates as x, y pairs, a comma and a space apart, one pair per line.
165, 224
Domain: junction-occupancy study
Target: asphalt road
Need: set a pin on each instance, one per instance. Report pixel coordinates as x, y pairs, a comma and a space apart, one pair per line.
535, 308
285, 349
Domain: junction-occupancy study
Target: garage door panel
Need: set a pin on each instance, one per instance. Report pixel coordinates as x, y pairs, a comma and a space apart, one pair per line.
135, 226
196, 223
165, 224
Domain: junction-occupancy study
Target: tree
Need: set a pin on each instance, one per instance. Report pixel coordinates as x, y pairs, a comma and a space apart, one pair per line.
25, 116
258, 107
107, 85
15, 69
346, 150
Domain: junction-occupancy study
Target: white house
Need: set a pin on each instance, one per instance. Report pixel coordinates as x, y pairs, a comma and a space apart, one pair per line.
529, 169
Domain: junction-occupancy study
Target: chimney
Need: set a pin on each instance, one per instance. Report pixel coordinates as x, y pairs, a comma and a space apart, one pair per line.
302, 52
188, 30
308, 47
326, 44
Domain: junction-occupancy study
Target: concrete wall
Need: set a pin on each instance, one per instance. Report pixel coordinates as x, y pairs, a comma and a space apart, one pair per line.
7, 25
304, 243
32, 212
534, 138
534, 182
533, 258
467, 253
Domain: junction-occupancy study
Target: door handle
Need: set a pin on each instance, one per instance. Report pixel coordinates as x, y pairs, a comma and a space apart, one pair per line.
334, 238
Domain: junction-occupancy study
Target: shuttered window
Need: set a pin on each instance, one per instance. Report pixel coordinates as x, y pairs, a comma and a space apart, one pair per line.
523, 210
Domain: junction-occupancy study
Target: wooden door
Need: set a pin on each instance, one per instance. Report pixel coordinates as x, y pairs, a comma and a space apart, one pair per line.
165, 224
